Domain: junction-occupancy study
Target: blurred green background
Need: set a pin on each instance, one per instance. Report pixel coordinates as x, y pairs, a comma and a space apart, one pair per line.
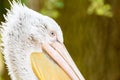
91, 31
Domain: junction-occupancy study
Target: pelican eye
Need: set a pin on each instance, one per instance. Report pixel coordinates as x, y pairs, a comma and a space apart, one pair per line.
52, 34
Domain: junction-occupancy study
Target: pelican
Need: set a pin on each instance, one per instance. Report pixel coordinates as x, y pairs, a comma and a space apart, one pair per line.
33, 47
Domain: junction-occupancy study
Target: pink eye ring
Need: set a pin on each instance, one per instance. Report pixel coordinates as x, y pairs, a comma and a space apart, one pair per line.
52, 34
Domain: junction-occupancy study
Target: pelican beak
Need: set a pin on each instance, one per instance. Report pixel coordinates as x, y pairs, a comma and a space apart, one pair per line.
60, 55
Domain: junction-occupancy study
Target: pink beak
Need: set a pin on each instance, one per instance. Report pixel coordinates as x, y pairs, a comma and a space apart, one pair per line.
60, 55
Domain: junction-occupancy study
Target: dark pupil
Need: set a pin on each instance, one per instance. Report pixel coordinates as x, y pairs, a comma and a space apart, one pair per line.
52, 33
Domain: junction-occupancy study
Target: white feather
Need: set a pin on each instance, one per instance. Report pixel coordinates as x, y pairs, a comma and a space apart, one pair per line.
23, 32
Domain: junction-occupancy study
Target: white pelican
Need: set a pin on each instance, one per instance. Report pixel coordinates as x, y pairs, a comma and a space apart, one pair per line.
33, 47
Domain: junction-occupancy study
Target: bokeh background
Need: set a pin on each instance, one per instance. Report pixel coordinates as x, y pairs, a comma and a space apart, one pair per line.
91, 31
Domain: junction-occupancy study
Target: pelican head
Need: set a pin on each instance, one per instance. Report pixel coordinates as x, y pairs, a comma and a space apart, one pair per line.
33, 47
